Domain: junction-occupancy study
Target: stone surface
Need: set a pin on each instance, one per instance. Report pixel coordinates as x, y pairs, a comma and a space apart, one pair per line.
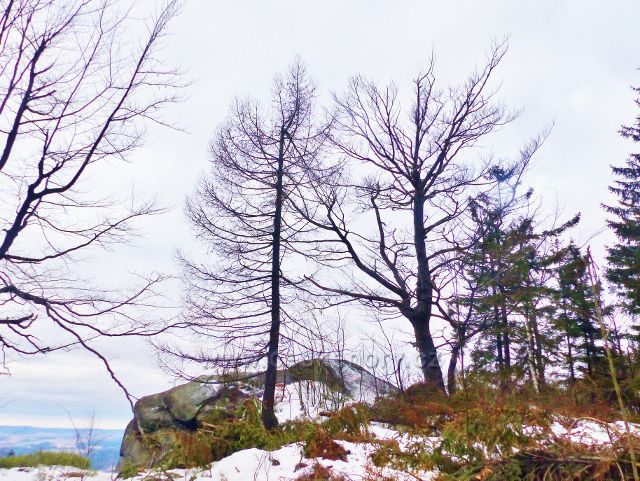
162, 416
345, 376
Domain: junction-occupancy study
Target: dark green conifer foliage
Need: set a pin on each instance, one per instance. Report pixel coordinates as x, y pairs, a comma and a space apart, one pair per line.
623, 271
515, 265
576, 318
489, 268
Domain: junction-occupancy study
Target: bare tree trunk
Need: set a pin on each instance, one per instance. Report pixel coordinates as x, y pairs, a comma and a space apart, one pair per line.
428, 354
417, 168
497, 323
572, 373
424, 293
531, 359
538, 351
499, 352
506, 338
591, 350
451, 371
268, 399
261, 158
504, 326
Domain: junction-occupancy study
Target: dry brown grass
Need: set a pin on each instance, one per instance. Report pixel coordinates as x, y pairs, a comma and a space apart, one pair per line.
426, 409
319, 472
374, 473
322, 445
481, 429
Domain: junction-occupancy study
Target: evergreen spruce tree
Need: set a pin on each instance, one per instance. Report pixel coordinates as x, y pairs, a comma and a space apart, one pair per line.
623, 271
576, 317
516, 264
488, 266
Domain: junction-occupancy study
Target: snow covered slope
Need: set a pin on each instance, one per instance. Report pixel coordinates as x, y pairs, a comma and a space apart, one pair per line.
288, 463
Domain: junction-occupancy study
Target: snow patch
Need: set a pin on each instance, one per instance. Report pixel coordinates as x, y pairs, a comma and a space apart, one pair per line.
305, 400
591, 432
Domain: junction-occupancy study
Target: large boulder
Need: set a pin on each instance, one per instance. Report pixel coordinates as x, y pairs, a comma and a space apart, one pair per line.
161, 419
344, 376
184, 406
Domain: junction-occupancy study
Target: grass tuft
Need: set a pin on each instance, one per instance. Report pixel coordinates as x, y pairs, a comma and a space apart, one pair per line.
45, 458
319, 472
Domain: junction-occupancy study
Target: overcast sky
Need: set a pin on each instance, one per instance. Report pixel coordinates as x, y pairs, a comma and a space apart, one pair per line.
570, 64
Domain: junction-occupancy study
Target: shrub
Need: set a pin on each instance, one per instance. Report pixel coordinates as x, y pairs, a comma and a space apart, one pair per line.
227, 435
351, 420
320, 444
319, 473
45, 458
128, 470
419, 408
481, 435
216, 440
373, 473
570, 462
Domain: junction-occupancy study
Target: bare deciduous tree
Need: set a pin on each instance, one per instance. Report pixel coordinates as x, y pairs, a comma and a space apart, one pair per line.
75, 89
420, 175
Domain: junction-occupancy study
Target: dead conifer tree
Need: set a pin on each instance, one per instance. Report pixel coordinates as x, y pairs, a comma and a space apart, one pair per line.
241, 210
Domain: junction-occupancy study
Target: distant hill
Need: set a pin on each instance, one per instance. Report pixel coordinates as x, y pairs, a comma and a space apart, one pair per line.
26, 439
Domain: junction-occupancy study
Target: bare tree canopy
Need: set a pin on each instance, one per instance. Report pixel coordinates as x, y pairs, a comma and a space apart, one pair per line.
242, 211
422, 180
75, 89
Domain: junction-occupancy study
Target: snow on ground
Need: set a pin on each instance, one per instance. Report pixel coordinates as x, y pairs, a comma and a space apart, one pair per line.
53, 473
591, 432
307, 399
303, 400
284, 464
288, 463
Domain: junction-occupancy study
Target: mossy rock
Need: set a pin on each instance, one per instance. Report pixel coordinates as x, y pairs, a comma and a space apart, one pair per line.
165, 416
341, 376
152, 413
317, 370
211, 400
182, 406
150, 450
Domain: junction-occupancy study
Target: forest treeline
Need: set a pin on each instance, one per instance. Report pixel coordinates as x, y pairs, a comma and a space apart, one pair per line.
376, 205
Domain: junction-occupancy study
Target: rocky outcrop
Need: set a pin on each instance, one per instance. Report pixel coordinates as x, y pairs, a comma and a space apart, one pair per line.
160, 419
344, 376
